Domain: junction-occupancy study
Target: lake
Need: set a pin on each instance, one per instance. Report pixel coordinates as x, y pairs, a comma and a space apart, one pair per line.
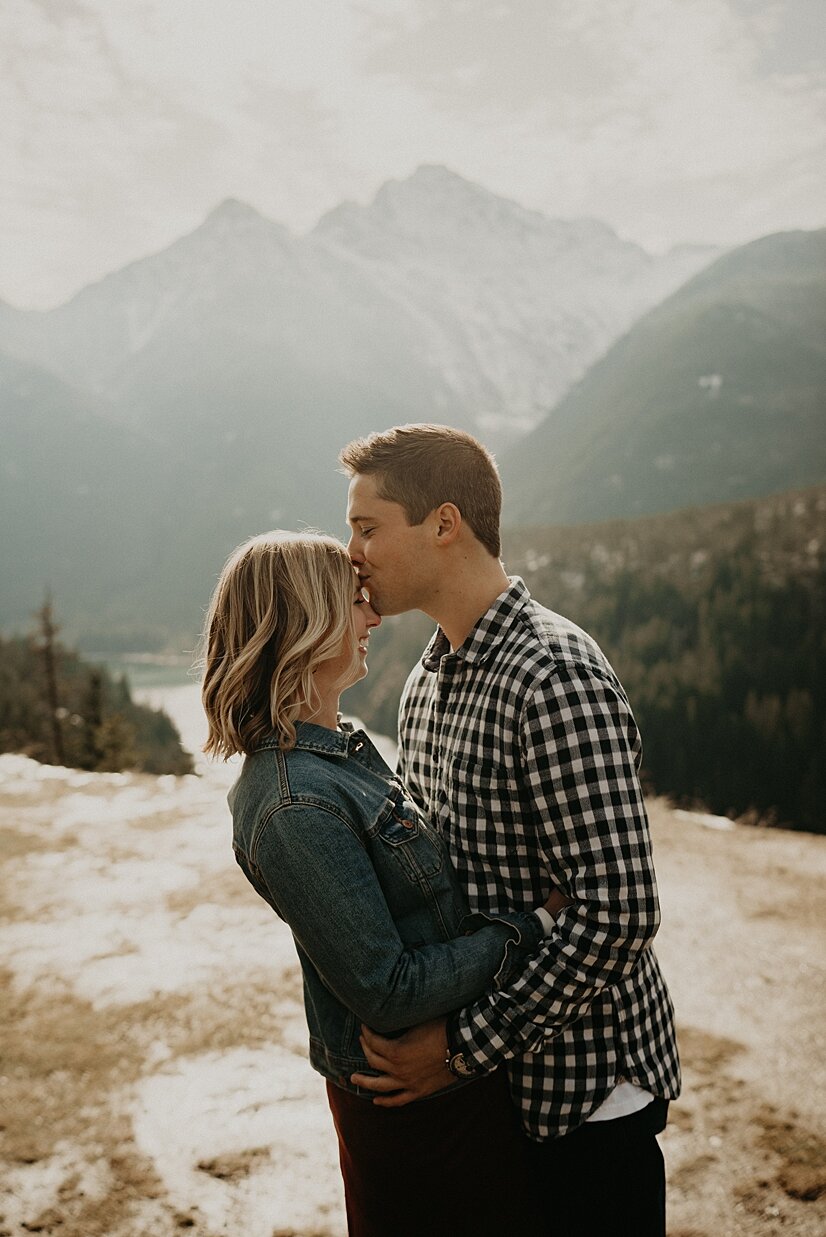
171, 684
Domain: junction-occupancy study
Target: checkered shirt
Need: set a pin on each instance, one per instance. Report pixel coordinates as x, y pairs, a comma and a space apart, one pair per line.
521, 747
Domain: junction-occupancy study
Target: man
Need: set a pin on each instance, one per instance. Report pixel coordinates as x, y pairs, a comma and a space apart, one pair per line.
518, 742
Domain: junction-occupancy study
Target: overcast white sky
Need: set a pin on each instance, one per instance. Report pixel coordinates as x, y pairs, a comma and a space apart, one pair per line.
123, 122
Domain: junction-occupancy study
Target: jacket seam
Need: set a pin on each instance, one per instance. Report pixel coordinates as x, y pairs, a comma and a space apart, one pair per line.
299, 802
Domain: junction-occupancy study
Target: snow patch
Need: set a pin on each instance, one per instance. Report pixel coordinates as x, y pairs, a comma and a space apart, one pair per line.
126, 954
31, 1189
706, 819
19, 772
245, 1137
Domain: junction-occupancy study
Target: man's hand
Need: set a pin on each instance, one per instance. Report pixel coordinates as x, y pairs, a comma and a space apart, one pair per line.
412, 1066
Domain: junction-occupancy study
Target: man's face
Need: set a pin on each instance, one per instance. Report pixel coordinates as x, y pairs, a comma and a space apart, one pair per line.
394, 559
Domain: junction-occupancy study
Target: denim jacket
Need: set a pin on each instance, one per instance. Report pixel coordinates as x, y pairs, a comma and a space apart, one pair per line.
327, 835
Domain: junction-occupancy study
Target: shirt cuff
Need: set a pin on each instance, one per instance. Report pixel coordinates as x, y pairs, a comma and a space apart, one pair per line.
487, 1038
546, 919
484, 1056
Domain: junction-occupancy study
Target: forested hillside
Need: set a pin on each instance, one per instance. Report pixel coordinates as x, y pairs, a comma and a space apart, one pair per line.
715, 620
717, 394
61, 710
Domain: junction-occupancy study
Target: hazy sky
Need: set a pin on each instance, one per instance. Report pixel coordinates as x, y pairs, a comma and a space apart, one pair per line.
123, 122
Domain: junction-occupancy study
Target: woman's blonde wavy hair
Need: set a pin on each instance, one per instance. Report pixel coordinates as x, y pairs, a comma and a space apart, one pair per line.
283, 604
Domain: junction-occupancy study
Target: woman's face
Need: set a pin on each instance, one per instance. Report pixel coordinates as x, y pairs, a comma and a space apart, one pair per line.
365, 620
344, 670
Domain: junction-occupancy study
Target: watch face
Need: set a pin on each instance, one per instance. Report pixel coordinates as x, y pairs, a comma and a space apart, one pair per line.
459, 1066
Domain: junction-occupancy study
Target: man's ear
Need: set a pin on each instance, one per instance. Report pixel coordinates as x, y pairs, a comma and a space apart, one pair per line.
448, 522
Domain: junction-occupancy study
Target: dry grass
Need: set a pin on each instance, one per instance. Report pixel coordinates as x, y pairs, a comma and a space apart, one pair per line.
745, 1146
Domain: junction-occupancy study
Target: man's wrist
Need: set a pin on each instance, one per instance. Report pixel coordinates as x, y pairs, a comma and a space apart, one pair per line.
459, 1062
452, 1033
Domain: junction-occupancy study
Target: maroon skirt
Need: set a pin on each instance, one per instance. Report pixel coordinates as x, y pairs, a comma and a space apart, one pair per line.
453, 1165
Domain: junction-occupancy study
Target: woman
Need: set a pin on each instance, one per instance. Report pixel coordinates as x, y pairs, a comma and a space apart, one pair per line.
326, 834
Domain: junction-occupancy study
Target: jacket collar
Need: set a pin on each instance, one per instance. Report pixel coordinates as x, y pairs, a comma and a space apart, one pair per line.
312, 738
492, 627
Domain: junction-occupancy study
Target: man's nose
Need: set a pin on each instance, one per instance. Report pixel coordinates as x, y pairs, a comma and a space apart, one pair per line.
353, 550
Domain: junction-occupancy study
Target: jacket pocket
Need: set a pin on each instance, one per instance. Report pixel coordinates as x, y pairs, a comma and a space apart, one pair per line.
408, 839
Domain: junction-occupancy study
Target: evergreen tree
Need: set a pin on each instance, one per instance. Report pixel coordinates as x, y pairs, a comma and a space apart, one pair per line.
56, 708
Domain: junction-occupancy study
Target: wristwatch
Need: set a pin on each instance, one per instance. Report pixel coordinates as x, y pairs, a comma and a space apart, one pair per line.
459, 1065
456, 1061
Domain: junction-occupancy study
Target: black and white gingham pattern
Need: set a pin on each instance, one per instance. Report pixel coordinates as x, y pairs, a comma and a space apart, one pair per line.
522, 748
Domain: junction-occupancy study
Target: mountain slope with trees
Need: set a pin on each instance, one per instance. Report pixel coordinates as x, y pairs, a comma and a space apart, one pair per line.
715, 620
61, 710
717, 394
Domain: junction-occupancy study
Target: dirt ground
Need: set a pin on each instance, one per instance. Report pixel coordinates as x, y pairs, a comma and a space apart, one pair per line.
153, 1064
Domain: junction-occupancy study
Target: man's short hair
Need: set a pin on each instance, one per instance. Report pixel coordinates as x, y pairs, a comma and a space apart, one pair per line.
422, 466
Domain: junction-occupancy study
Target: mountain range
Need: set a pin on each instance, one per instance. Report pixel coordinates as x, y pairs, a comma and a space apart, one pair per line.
201, 394
439, 296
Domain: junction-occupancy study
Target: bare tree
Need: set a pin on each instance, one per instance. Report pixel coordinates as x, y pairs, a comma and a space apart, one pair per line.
48, 632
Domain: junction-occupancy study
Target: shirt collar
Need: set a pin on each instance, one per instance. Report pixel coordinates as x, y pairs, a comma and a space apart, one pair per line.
487, 633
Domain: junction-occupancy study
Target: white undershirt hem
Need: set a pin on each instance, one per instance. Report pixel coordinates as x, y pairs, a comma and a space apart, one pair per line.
625, 1099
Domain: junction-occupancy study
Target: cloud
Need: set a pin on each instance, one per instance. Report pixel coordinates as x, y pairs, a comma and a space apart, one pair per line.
121, 125
610, 103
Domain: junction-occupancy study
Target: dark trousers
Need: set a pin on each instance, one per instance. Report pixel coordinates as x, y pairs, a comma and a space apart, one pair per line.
606, 1178
454, 1165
